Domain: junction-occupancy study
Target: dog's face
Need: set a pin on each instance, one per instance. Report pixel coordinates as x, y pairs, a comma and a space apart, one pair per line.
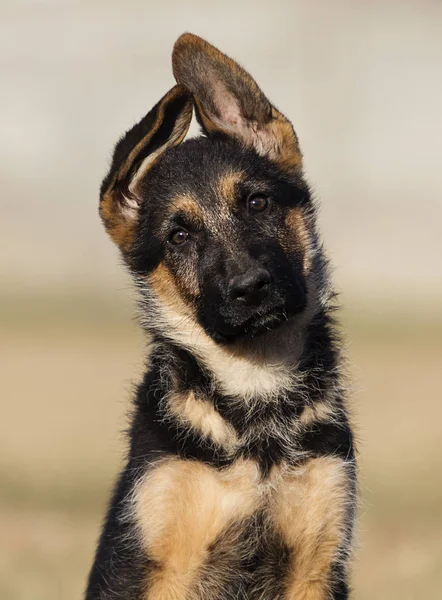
218, 231
227, 234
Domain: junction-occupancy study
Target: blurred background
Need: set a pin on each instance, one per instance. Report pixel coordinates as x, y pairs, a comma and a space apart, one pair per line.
362, 83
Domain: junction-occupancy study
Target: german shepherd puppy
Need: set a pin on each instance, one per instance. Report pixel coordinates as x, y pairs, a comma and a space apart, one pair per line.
240, 477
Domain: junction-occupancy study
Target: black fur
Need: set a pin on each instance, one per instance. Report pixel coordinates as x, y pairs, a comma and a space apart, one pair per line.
296, 298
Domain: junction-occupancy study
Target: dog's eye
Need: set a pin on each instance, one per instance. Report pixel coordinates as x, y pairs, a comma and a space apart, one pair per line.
178, 237
257, 204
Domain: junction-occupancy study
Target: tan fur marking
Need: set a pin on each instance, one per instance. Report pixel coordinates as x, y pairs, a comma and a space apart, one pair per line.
309, 511
168, 290
320, 411
201, 416
181, 508
163, 284
119, 222
178, 134
227, 186
118, 209
257, 373
285, 150
296, 222
186, 204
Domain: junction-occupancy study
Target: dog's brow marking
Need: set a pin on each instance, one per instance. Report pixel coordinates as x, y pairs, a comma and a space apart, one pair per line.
200, 415
310, 511
181, 507
186, 204
227, 186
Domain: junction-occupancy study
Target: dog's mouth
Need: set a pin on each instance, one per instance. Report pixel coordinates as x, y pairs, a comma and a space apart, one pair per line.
229, 322
254, 326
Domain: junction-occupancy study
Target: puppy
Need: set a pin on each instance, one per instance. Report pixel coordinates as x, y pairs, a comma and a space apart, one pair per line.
240, 477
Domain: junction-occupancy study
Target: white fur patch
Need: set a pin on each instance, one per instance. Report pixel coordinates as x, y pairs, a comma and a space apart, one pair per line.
243, 376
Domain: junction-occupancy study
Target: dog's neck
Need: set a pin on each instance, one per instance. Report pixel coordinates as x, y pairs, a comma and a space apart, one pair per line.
291, 359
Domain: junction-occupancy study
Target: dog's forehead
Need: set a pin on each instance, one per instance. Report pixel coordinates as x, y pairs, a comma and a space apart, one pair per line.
201, 178
211, 205
201, 196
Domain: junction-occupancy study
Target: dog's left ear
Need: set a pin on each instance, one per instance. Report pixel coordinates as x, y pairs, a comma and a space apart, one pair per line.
228, 101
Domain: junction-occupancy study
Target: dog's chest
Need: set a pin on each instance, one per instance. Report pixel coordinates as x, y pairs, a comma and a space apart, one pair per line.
191, 497
195, 518
214, 526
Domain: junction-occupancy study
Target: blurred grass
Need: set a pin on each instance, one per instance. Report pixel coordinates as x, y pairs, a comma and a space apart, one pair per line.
68, 364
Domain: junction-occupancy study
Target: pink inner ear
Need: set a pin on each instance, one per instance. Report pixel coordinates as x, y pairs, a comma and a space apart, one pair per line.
229, 117
226, 105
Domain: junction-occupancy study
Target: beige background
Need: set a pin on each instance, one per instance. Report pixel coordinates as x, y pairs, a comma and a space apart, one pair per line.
361, 81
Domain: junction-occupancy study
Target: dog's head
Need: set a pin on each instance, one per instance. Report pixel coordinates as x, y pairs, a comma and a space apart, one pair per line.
219, 230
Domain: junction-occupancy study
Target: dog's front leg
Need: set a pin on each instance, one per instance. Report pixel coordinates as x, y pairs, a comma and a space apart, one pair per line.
313, 512
120, 565
182, 509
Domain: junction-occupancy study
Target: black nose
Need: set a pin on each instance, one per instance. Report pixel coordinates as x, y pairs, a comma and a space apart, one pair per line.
251, 286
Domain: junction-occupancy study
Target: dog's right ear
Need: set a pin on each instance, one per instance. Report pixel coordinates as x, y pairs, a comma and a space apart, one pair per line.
162, 128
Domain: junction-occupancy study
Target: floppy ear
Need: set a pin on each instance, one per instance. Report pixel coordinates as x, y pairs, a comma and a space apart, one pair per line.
229, 101
163, 127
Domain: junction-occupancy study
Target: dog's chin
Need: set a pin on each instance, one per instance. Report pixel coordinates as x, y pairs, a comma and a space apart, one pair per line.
229, 333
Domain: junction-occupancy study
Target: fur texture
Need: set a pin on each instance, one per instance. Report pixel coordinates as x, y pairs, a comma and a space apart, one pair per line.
240, 476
